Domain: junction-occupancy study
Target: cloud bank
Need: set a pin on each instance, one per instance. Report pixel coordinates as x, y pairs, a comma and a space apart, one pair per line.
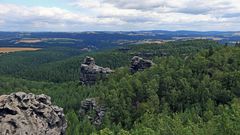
123, 15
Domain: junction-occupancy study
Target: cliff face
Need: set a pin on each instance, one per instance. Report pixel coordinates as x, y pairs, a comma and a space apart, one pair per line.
91, 108
29, 114
90, 72
139, 64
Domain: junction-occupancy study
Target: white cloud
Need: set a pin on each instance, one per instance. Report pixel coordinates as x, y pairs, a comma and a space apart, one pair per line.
125, 15
158, 11
36, 18
1, 22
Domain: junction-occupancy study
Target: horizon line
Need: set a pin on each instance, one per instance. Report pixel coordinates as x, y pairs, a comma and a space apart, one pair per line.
119, 31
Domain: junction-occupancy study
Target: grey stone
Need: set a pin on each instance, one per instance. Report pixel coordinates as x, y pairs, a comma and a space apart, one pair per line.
90, 72
139, 64
29, 114
93, 110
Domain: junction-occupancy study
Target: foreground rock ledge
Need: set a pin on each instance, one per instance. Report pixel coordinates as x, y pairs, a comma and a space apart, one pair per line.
29, 114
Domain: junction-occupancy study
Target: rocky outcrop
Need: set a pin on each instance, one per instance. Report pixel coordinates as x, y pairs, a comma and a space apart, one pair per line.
139, 64
90, 72
91, 108
237, 44
29, 114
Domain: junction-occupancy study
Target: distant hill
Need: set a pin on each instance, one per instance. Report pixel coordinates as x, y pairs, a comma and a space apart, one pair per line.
106, 39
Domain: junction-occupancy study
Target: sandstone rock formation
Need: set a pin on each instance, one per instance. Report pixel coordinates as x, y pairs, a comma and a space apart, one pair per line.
91, 108
90, 72
139, 64
29, 114
237, 44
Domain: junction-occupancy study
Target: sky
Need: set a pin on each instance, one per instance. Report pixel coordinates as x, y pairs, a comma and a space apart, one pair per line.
119, 15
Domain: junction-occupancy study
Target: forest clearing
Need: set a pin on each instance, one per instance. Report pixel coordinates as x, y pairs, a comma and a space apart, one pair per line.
16, 49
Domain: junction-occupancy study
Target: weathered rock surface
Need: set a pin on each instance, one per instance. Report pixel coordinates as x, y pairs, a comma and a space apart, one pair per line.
139, 64
90, 72
29, 114
91, 108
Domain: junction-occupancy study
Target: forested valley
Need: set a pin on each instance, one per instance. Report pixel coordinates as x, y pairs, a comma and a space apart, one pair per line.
193, 87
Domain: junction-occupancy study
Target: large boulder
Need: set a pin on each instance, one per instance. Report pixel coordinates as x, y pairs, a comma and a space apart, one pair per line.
139, 64
91, 108
90, 72
29, 114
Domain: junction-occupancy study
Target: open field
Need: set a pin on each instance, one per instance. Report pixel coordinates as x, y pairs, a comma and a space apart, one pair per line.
29, 41
16, 49
39, 40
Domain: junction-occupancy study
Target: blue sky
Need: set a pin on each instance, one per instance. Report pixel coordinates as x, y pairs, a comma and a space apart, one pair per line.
115, 15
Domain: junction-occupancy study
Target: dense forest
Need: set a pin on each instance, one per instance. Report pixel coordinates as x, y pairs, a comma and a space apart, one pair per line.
193, 87
61, 64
